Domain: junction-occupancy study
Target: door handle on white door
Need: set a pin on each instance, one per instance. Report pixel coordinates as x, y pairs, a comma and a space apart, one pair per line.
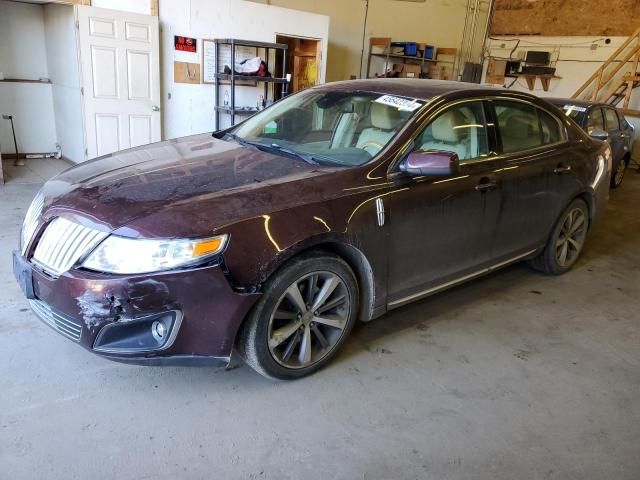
155, 108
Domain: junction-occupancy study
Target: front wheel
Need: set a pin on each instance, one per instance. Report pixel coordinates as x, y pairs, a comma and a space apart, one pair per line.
305, 314
566, 241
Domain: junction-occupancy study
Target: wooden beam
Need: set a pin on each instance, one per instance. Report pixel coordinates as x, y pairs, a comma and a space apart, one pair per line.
71, 2
154, 7
631, 78
630, 112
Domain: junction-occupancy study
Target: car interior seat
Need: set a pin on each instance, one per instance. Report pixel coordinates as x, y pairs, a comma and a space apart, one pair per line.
447, 135
384, 120
519, 132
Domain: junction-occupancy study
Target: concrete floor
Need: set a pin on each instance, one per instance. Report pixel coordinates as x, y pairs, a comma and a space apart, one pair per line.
515, 376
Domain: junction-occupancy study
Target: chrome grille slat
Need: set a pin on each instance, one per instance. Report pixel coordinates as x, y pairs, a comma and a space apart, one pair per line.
72, 249
63, 243
67, 234
64, 325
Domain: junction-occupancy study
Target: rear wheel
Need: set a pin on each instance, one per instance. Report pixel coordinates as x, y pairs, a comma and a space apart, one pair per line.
619, 170
304, 316
566, 241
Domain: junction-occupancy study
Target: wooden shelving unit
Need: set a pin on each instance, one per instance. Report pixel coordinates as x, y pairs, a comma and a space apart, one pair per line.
385, 44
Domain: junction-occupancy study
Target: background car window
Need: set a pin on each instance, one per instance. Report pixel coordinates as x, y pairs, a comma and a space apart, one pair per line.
519, 126
461, 129
551, 130
595, 120
612, 119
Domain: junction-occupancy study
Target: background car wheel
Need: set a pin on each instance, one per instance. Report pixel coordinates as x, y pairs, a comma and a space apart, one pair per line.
305, 314
619, 169
566, 241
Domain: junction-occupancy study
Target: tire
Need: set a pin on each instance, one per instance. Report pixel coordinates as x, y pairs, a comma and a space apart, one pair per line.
551, 260
281, 341
617, 175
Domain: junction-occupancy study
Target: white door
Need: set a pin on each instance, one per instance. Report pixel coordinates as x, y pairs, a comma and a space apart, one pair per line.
119, 61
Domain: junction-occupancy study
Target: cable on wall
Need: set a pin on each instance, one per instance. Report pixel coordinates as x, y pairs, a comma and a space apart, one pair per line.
364, 34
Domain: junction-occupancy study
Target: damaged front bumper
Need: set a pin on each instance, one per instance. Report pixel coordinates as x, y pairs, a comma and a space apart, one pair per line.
177, 317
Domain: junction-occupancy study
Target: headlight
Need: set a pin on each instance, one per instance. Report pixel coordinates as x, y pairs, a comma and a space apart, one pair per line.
128, 255
31, 220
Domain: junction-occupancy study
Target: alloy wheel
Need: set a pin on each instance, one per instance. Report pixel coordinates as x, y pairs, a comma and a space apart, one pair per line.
571, 237
309, 319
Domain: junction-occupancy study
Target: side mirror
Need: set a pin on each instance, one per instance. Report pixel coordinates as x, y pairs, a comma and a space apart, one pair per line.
431, 163
599, 134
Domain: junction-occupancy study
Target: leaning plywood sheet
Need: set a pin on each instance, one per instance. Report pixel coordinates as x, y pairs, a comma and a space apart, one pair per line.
565, 17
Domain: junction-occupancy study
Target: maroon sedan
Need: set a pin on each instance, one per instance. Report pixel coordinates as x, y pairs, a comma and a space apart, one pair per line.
334, 205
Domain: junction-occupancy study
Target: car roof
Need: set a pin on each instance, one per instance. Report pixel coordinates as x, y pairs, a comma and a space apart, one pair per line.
576, 102
421, 89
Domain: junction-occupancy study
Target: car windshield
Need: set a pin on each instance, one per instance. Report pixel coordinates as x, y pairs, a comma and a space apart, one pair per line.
575, 112
338, 128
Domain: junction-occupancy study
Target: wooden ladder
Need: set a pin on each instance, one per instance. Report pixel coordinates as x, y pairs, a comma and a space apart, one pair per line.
613, 82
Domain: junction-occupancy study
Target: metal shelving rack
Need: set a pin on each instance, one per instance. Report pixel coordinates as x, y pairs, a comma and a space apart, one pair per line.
233, 79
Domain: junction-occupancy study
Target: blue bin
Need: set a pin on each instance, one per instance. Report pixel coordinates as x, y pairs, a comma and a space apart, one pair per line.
410, 48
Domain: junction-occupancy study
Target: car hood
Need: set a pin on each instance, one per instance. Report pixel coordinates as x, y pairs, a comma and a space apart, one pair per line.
183, 187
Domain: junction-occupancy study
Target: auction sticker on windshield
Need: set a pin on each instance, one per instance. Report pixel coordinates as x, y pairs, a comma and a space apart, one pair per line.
403, 104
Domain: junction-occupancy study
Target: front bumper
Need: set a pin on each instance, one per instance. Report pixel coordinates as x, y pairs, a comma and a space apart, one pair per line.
82, 305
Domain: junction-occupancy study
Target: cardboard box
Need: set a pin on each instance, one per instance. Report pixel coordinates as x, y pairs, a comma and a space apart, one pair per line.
410, 71
495, 71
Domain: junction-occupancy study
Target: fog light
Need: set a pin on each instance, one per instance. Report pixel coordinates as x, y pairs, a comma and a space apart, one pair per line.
144, 334
158, 329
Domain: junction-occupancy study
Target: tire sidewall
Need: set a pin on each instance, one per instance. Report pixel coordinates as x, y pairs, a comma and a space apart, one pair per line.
257, 336
550, 251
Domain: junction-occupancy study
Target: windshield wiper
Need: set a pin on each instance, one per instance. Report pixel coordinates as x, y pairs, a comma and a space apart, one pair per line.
271, 147
279, 148
240, 140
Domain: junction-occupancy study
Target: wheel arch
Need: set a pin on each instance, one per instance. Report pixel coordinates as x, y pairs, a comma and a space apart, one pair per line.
354, 257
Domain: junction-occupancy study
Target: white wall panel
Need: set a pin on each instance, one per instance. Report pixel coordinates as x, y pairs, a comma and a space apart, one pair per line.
191, 107
23, 55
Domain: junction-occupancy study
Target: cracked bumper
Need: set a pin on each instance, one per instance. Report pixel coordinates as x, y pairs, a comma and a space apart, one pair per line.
80, 304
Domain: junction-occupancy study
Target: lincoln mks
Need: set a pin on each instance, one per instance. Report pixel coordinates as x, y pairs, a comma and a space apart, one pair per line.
334, 205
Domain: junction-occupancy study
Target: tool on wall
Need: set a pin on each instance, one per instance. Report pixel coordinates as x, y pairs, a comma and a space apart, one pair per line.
18, 162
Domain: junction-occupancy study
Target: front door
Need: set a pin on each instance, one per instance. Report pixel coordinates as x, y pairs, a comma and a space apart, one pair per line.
440, 227
119, 60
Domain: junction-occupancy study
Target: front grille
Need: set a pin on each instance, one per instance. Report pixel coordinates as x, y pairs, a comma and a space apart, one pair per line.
63, 243
30, 222
66, 326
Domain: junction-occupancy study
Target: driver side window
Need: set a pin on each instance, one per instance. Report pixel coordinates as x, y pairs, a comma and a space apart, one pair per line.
461, 129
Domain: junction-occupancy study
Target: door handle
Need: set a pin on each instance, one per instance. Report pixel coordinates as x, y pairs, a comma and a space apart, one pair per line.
155, 108
485, 185
560, 169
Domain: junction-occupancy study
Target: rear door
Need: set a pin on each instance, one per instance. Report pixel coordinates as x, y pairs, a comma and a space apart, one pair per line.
119, 59
617, 138
536, 177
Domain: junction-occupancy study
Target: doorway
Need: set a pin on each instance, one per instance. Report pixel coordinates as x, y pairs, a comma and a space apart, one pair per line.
305, 59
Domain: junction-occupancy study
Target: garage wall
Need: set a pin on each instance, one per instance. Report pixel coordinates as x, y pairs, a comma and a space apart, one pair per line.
188, 108
23, 55
437, 22
576, 60
62, 62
